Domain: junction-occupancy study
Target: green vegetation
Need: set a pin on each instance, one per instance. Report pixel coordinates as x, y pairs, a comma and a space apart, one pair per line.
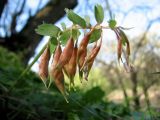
30, 100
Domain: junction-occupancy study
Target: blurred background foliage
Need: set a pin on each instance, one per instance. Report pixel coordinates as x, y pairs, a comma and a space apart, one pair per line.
110, 93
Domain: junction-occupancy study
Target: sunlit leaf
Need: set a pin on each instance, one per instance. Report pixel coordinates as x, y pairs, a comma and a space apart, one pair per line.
76, 19
96, 34
47, 30
99, 13
65, 36
112, 23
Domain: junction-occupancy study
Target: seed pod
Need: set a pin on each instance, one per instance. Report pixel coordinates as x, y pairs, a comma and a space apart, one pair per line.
119, 49
66, 54
70, 67
87, 68
59, 81
56, 57
90, 59
128, 49
126, 41
119, 46
83, 44
82, 59
82, 52
94, 52
57, 74
85, 40
53, 71
43, 65
81, 62
123, 35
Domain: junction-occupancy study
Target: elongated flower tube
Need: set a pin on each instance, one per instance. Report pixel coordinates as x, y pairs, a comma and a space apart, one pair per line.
66, 54
43, 65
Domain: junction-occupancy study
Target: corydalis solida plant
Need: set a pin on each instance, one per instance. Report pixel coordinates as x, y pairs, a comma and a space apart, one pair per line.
76, 56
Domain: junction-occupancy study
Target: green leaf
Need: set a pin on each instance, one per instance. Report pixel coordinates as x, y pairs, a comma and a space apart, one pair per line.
75, 34
48, 30
99, 13
76, 19
65, 36
96, 34
52, 44
112, 23
95, 91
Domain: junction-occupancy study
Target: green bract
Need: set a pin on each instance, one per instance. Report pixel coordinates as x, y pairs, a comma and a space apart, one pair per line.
48, 30
99, 13
65, 36
95, 35
112, 24
76, 19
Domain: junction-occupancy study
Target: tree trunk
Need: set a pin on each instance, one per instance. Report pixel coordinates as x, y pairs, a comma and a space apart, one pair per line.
27, 40
134, 90
2, 5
